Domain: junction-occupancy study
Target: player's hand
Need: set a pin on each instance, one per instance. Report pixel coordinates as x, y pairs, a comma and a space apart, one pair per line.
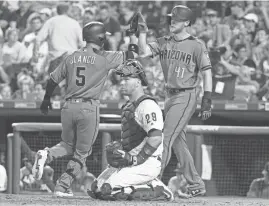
45, 105
205, 112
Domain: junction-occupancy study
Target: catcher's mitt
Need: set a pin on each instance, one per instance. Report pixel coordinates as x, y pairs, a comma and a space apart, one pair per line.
137, 25
114, 158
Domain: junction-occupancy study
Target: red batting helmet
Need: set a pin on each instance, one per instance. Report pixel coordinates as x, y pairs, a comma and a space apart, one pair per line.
181, 13
94, 32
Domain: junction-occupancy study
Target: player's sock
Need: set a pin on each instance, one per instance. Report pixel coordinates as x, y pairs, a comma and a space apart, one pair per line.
40, 160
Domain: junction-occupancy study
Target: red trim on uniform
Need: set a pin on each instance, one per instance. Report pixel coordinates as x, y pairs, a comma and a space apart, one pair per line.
206, 68
179, 122
151, 49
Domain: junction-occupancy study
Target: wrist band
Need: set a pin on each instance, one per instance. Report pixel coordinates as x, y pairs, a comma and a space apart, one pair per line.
133, 48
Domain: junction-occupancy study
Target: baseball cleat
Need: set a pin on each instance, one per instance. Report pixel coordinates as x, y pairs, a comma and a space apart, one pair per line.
59, 191
169, 194
197, 192
40, 160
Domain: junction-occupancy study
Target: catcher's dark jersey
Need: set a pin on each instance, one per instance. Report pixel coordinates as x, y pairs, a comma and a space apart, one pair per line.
181, 60
86, 71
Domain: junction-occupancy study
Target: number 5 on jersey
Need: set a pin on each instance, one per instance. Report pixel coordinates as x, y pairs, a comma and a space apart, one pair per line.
80, 80
180, 72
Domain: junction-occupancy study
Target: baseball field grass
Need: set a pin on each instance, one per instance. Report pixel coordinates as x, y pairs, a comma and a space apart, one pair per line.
50, 200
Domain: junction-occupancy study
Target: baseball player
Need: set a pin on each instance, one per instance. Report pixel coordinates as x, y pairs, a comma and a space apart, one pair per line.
184, 59
85, 72
135, 160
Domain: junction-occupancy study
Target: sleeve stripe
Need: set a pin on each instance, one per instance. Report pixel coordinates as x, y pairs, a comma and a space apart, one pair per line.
53, 78
206, 67
152, 53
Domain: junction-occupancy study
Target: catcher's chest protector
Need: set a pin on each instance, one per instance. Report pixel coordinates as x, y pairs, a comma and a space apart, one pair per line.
132, 133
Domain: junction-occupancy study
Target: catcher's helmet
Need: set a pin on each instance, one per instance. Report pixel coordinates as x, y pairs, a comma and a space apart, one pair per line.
94, 32
181, 13
132, 68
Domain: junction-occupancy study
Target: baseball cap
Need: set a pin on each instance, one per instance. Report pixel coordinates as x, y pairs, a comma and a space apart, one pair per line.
252, 17
211, 12
46, 11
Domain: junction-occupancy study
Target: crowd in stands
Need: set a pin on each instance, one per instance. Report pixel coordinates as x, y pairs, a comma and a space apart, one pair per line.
235, 33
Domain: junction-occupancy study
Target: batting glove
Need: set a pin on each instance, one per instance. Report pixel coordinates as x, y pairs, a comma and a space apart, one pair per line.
45, 105
205, 112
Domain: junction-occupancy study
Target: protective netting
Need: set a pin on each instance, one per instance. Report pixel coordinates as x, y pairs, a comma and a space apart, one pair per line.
236, 159
37, 141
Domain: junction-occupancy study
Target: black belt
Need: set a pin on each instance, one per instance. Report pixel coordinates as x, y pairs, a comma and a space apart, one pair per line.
176, 91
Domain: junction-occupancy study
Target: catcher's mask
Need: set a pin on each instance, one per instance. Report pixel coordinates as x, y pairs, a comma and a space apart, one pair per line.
132, 68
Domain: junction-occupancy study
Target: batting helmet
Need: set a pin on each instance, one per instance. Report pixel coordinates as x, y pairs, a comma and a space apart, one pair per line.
94, 32
181, 13
132, 68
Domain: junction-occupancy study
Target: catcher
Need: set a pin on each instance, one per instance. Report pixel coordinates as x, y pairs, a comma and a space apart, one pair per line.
135, 160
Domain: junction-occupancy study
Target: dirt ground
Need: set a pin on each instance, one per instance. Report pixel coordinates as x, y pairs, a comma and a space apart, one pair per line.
49, 200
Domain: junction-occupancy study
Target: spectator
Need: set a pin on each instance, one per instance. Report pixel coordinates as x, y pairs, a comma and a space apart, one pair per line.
224, 76
240, 57
259, 187
13, 51
63, 35
76, 12
20, 16
45, 14
127, 11
39, 92
26, 177
178, 184
221, 33
5, 92
3, 173
237, 12
46, 182
262, 76
245, 87
29, 41
88, 16
25, 84
260, 48
5, 16
251, 24
112, 25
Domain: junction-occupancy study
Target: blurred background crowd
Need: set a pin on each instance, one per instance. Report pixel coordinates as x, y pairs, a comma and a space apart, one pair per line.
235, 33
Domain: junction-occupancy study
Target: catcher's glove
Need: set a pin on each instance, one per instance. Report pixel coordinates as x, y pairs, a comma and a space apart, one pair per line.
114, 155
205, 112
138, 24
